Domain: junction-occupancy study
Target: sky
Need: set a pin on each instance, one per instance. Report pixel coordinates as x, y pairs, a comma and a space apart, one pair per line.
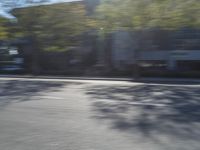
7, 5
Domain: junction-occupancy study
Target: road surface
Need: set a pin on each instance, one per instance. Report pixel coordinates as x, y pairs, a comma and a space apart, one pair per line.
50, 114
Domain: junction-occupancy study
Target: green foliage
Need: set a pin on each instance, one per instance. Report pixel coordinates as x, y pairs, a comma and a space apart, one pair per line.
54, 27
143, 14
4, 34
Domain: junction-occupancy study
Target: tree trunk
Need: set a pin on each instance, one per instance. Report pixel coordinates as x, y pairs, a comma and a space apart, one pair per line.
136, 66
35, 67
35, 52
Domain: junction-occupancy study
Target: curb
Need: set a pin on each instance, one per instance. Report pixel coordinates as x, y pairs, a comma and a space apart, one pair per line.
67, 78
141, 80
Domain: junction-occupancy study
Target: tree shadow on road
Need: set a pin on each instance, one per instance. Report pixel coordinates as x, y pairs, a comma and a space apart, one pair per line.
20, 91
149, 109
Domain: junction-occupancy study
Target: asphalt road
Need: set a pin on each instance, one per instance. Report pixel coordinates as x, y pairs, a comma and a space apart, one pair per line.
39, 114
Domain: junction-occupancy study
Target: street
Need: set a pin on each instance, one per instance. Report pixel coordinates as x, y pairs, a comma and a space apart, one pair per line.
50, 114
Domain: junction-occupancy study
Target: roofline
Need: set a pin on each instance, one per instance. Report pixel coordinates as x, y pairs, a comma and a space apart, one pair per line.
47, 4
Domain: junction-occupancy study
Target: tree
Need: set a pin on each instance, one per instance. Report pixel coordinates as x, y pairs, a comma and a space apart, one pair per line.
53, 27
139, 15
142, 14
4, 31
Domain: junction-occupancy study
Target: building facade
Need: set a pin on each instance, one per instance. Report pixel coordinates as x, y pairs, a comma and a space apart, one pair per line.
178, 50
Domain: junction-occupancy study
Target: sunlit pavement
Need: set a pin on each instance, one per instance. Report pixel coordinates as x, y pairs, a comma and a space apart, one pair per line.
54, 114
